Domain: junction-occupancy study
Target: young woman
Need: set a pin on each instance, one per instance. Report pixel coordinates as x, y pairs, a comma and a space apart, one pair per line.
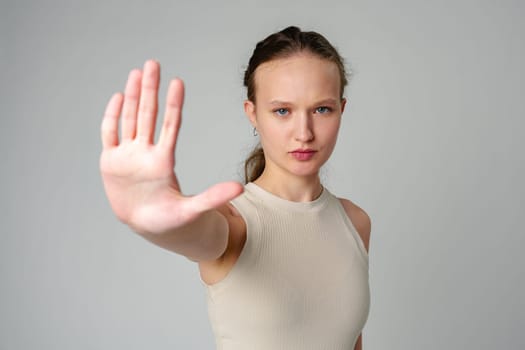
284, 261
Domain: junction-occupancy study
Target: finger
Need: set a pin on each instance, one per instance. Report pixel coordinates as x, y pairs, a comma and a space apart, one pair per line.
148, 101
215, 196
173, 115
131, 102
109, 127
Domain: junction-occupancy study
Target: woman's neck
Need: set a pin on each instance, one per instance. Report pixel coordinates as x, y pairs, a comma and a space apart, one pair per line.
292, 188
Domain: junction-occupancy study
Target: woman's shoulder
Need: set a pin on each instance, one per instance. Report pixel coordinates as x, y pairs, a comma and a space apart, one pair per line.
360, 219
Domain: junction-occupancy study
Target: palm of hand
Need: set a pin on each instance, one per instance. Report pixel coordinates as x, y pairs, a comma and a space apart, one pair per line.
138, 175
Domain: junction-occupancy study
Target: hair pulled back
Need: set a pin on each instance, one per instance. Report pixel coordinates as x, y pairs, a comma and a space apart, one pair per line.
283, 44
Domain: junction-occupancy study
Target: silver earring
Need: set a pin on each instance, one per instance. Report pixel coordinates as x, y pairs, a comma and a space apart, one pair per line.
255, 132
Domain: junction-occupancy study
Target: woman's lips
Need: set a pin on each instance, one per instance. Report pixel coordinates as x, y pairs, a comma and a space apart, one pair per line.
303, 154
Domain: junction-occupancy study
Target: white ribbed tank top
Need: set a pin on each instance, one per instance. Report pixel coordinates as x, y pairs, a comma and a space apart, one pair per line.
300, 282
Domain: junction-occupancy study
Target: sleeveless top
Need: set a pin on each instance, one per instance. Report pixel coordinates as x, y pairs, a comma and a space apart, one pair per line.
300, 282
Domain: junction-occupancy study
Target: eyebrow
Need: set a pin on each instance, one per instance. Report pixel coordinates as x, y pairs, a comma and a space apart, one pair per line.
277, 102
325, 101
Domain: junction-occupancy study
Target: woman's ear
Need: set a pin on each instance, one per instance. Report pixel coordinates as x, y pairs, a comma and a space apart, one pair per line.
343, 104
249, 110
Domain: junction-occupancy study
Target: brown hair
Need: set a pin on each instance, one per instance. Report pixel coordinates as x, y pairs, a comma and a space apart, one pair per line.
282, 44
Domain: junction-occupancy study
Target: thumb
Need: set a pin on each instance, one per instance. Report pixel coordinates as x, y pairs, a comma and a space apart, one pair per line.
215, 196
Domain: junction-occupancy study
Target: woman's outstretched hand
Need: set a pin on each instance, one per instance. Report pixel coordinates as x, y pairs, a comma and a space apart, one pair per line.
138, 175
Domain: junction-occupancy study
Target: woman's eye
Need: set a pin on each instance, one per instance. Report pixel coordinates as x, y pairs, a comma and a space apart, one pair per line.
323, 110
281, 111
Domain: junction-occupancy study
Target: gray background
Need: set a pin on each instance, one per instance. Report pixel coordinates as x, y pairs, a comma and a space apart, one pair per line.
431, 147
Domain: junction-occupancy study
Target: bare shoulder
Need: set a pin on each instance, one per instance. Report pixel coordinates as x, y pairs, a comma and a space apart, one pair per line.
212, 271
359, 218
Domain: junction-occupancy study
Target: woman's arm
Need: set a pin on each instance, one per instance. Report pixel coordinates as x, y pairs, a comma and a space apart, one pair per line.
363, 225
360, 220
139, 177
359, 343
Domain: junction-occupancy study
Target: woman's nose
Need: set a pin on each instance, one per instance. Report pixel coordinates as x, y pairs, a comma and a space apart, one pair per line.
304, 128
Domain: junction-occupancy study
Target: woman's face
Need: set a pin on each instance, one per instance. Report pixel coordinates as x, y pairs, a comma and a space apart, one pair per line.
297, 113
